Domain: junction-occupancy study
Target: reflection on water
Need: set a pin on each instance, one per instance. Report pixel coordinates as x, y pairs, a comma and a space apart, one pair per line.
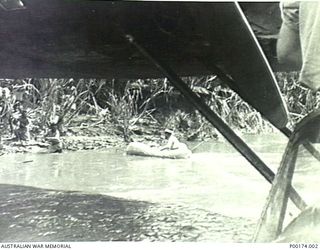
216, 178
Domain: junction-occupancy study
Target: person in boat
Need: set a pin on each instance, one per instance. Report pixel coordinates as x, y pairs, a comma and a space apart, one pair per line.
172, 143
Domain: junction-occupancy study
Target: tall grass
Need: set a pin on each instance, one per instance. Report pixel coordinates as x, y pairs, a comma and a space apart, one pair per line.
299, 99
56, 102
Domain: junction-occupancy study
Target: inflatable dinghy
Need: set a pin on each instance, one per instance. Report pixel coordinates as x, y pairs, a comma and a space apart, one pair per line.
141, 149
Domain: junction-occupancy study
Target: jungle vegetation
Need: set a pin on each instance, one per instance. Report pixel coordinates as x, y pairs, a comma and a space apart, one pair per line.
35, 108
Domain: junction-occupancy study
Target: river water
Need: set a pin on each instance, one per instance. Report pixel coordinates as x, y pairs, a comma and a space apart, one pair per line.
216, 178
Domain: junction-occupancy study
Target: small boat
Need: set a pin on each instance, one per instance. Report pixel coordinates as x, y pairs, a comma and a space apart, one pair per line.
141, 149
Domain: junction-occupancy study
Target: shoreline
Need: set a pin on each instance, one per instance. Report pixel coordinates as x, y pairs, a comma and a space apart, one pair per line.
71, 143
68, 143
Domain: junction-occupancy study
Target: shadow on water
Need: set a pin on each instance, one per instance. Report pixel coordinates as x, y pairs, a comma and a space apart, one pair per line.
34, 214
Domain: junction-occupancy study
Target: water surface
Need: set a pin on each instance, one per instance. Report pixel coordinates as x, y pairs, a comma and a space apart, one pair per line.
216, 178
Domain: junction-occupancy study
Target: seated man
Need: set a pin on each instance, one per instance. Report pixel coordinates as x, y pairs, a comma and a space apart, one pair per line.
298, 44
173, 142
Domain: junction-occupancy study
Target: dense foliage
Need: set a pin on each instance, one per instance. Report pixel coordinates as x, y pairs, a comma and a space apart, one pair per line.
33, 108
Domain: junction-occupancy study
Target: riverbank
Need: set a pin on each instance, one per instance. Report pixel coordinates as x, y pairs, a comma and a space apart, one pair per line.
94, 114
84, 133
100, 141
92, 133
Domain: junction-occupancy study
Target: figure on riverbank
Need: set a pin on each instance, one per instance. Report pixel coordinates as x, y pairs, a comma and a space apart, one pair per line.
172, 143
53, 136
20, 123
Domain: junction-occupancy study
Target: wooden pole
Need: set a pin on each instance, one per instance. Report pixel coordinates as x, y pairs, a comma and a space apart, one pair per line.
271, 221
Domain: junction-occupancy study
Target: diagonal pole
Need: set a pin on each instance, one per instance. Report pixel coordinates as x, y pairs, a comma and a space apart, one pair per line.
216, 121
